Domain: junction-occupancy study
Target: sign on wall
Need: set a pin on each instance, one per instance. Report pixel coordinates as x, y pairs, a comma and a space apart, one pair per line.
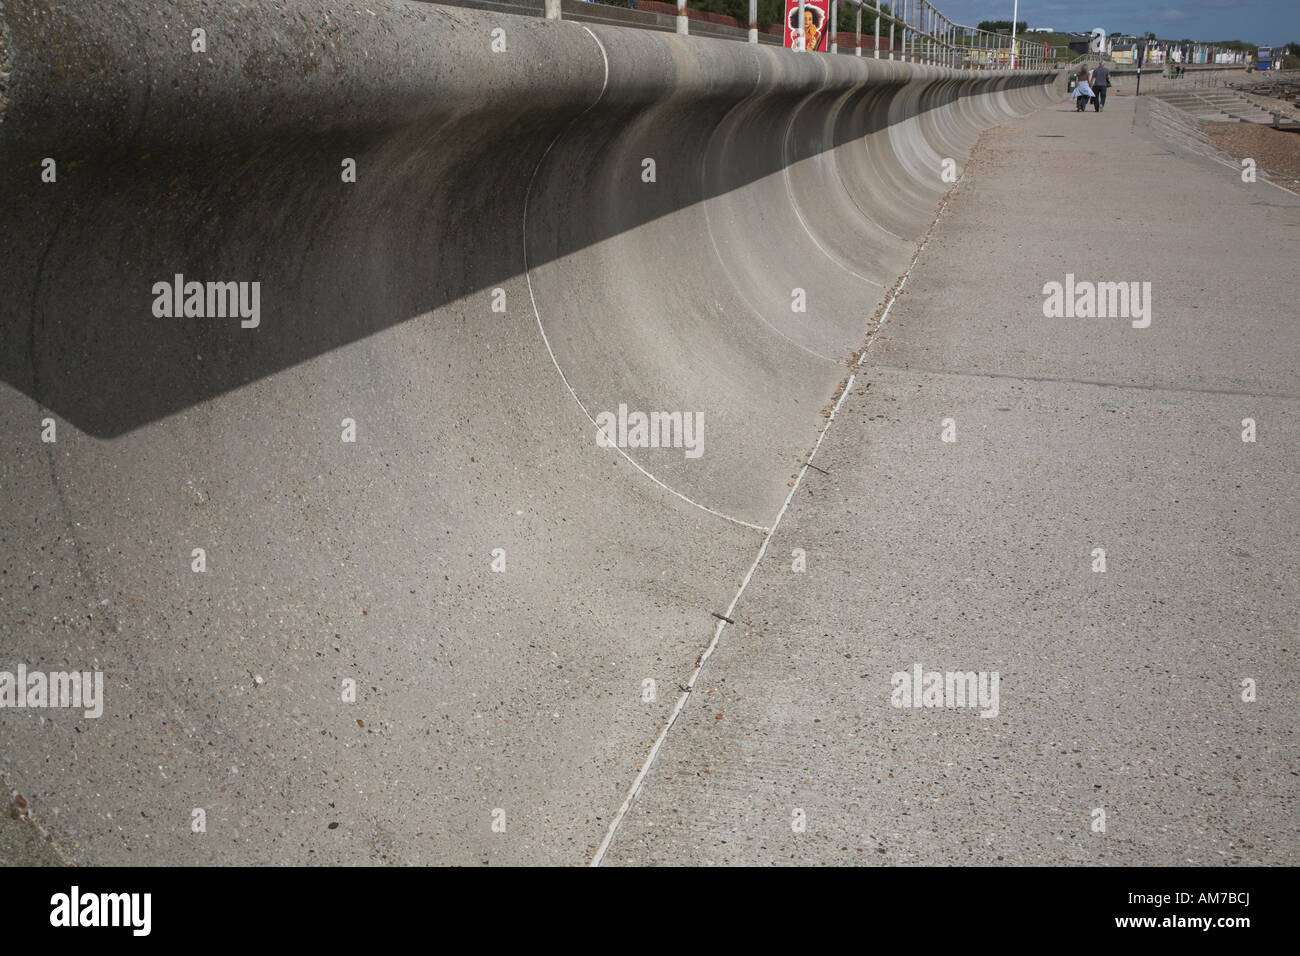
817, 25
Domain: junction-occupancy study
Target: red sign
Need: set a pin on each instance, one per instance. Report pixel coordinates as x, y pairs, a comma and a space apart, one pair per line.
817, 24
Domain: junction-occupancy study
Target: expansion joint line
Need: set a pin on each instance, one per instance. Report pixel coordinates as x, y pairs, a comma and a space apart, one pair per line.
721, 626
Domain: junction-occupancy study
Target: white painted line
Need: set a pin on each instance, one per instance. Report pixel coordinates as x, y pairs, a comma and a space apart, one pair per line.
722, 625
546, 340
740, 292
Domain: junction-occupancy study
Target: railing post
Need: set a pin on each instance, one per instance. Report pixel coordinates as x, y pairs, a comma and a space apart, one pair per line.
876, 50
857, 48
682, 23
914, 29
927, 32
918, 42
922, 41
927, 40
909, 41
893, 22
831, 45
916, 47
905, 27
753, 21
553, 10
920, 31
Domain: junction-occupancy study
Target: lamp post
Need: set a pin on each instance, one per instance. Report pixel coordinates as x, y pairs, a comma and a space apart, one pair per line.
1015, 14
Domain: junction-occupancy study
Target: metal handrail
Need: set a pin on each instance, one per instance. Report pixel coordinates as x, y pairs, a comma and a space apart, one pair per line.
917, 33
922, 34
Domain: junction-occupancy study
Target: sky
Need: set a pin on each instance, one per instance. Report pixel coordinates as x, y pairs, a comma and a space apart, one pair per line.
1264, 22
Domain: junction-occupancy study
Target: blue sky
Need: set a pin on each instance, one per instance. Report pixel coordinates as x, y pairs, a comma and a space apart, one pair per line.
1256, 21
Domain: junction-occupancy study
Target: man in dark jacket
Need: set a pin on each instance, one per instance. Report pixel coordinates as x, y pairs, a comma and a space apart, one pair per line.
1100, 83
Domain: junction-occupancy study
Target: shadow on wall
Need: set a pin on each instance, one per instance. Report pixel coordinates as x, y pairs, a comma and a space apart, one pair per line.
227, 166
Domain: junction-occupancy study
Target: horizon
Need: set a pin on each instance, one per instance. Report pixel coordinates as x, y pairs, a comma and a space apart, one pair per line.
1260, 22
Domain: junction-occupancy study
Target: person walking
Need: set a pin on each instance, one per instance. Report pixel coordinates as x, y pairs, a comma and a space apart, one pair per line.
1082, 90
1100, 83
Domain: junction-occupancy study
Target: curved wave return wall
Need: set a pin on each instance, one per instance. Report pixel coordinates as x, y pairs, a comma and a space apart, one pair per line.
503, 270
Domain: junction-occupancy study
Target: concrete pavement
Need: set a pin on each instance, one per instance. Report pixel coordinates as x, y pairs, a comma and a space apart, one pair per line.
1121, 734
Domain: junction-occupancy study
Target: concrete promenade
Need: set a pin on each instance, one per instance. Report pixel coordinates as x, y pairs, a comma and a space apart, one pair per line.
364, 584
1120, 692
